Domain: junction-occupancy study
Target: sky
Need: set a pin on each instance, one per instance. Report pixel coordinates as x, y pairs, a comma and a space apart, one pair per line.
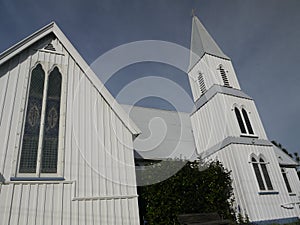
262, 38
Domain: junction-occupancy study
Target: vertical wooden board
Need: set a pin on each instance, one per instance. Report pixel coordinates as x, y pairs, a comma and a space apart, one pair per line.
108, 158
42, 188
6, 198
96, 212
104, 215
82, 212
101, 143
57, 208
49, 205
125, 212
121, 151
89, 213
118, 212
110, 212
7, 113
95, 175
24, 206
4, 76
33, 203
67, 204
114, 166
75, 213
68, 150
89, 134
81, 139
133, 211
15, 204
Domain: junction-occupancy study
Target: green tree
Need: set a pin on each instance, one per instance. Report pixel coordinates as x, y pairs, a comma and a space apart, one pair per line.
190, 190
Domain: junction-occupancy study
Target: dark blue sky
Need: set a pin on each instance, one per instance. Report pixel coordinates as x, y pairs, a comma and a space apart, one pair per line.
261, 37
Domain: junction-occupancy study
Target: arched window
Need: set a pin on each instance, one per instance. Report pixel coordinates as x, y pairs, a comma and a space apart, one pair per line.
259, 178
51, 128
42, 141
28, 160
248, 124
286, 181
224, 76
266, 174
201, 83
240, 120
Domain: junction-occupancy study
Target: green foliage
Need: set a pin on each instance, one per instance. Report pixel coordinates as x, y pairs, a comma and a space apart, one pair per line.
190, 190
242, 219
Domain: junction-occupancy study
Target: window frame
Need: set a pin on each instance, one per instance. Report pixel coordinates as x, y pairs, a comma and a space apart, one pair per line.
61, 133
267, 189
243, 121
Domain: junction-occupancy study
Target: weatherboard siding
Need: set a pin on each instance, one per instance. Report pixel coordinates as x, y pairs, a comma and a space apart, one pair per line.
257, 206
97, 156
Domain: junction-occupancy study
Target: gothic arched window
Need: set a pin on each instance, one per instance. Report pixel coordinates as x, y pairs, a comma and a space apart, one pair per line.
258, 175
240, 120
224, 76
39, 153
261, 173
286, 181
266, 174
28, 161
51, 128
248, 124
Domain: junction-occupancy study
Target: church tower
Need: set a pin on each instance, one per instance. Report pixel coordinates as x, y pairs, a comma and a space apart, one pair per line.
227, 127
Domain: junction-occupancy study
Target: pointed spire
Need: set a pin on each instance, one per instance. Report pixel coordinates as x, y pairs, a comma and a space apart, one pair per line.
202, 42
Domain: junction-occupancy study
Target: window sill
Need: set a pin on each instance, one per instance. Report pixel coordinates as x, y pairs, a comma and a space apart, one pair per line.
268, 192
37, 179
249, 136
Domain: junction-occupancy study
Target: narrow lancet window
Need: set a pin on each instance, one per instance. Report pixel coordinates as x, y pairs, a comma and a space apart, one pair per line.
28, 160
266, 174
51, 128
258, 174
240, 120
286, 181
248, 124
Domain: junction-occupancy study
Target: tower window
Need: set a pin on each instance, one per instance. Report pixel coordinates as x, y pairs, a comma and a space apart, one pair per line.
240, 120
224, 76
248, 124
261, 173
39, 153
201, 83
286, 181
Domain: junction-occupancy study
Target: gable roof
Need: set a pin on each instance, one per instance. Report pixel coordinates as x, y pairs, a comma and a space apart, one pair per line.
283, 158
53, 28
202, 42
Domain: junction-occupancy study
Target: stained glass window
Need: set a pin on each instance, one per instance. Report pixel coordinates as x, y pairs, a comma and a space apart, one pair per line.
30, 143
51, 128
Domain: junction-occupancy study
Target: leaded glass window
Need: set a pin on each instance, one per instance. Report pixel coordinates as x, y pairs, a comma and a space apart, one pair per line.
51, 128
286, 181
28, 161
39, 153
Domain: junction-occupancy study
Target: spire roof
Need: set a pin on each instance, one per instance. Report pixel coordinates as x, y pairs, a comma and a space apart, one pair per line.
202, 42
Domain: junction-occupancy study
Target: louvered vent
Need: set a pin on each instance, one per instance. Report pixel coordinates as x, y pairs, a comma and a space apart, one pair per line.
224, 76
201, 83
50, 47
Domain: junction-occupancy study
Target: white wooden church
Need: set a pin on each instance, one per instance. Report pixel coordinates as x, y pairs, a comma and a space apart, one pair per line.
67, 147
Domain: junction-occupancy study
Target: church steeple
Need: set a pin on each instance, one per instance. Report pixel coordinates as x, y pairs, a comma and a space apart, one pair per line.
202, 42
